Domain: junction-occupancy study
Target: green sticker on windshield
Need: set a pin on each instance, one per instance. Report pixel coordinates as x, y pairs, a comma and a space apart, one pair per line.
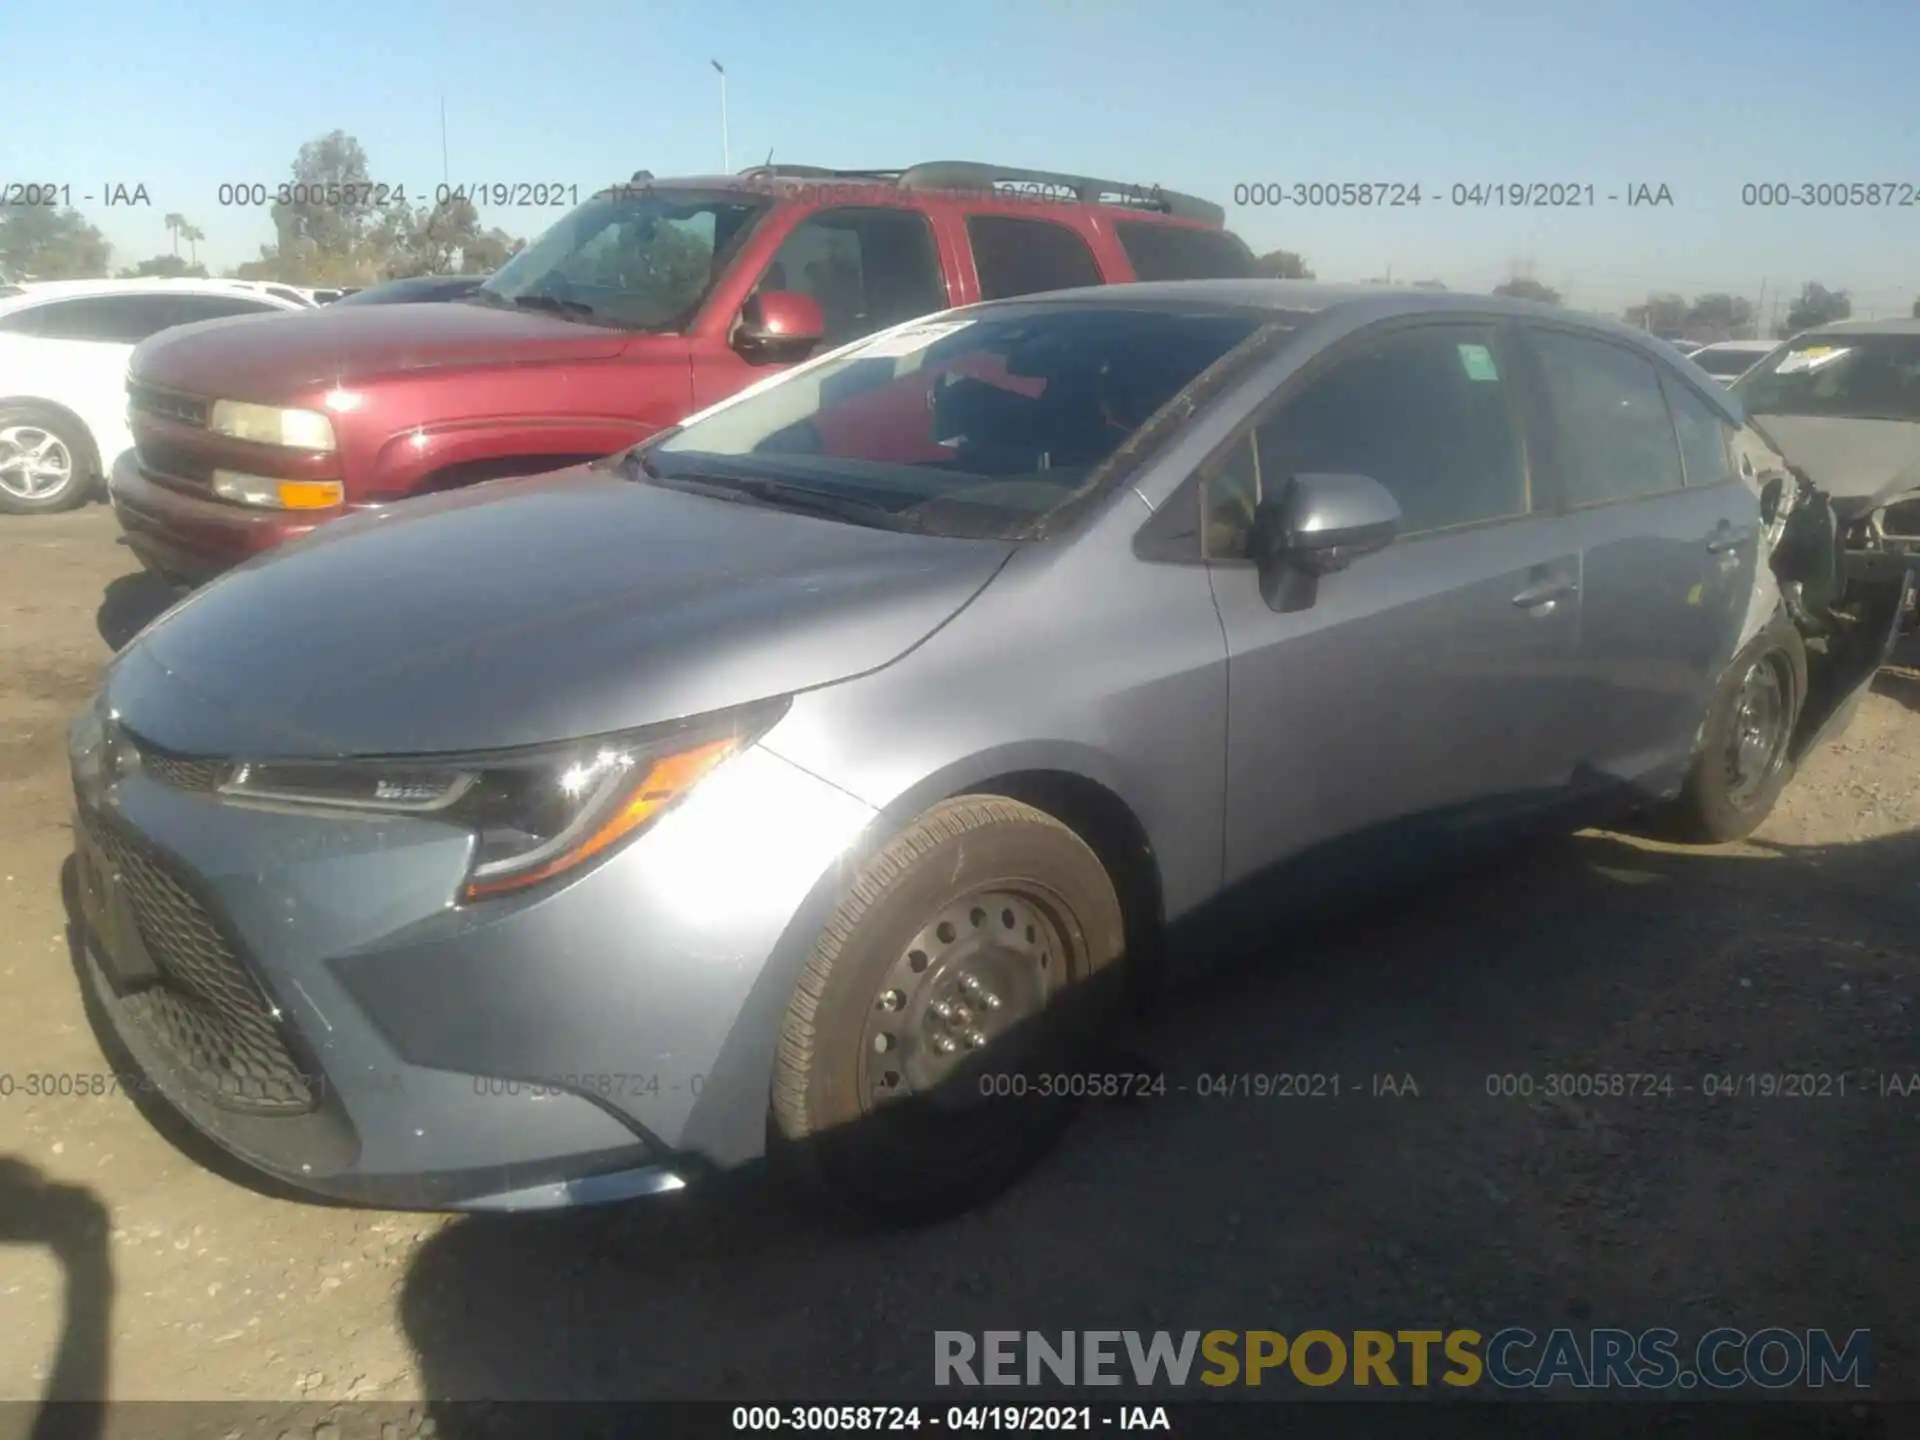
1477, 360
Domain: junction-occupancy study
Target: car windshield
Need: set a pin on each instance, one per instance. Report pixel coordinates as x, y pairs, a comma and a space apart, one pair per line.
1853, 377
633, 260
965, 424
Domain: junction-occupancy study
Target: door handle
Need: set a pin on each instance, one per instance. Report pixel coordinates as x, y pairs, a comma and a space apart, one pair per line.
1724, 540
1546, 592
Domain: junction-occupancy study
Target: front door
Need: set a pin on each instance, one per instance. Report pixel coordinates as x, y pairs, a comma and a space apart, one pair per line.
1418, 700
866, 268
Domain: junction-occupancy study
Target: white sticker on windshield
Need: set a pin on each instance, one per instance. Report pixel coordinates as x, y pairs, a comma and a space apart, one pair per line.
911, 340
1812, 358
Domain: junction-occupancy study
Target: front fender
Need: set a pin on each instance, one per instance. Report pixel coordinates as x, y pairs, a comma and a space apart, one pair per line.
405, 463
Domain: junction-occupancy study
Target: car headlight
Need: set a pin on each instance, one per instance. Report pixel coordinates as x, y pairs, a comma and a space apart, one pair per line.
534, 814
271, 425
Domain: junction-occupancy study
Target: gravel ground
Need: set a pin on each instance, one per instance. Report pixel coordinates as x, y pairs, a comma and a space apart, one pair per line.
1599, 952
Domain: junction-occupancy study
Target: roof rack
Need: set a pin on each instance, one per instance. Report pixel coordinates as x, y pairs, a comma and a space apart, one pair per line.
1087, 189
976, 176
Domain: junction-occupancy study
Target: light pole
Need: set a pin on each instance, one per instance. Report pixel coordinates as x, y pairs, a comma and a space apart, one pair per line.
726, 149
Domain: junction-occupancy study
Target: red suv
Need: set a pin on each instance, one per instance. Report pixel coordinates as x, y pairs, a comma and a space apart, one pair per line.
650, 301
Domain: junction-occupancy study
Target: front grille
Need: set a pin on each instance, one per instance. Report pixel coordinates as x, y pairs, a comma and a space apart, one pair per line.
183, 772
169, 404
208, 1010
158, 457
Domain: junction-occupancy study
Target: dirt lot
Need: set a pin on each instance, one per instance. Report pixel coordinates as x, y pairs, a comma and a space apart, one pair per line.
1596, 953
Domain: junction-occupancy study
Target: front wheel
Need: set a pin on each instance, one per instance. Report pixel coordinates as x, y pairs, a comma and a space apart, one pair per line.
46, 461
1744, 761
929, 1053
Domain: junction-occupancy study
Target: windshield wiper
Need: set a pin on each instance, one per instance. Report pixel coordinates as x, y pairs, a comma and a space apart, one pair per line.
779, 495
553, 303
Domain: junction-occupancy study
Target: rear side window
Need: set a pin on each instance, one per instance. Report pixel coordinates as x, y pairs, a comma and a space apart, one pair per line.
1615, 439
190, 308
1024, 257
1175, 252
1727, 363
1706, 439
106, 319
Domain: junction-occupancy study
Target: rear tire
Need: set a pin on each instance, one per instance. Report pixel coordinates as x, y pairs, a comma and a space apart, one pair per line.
1744, 763
926, 1056
47, 461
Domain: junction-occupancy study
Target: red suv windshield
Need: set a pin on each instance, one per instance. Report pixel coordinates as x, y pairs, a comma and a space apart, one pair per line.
632, 260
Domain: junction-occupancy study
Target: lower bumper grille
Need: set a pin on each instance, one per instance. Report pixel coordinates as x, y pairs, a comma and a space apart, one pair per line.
208, 1011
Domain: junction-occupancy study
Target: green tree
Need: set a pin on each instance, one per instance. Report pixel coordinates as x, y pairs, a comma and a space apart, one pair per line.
193, 235
1815, 305
1916, 309
164, 267
1525, 287
41, 243
1283, 265
1661, 314
175, 223
1717, 316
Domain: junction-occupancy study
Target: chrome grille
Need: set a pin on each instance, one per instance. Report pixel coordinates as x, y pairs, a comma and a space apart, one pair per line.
208, 1010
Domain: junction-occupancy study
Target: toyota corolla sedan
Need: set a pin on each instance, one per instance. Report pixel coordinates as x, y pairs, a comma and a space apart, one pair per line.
803, 779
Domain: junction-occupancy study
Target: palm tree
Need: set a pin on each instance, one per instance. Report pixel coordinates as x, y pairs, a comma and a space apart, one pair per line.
193, 235
175, 224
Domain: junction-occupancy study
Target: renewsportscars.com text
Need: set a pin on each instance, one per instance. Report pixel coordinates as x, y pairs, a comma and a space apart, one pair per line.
1512, 1358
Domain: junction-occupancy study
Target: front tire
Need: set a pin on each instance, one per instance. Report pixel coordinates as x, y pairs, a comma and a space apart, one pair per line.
1744, 761
927, 1056
47, 461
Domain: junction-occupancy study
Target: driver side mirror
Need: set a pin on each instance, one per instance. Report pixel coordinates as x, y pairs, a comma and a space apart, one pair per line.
1318, 524
778, 327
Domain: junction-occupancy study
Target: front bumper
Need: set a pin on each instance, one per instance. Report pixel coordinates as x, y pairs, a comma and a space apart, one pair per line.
610, 1037
188, 540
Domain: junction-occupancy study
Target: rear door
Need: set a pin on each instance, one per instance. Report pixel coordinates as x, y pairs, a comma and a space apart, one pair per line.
1668, 538
1419, 699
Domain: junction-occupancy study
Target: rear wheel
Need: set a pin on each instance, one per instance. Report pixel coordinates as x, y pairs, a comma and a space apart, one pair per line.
1743, 764
930, 1052
46, 461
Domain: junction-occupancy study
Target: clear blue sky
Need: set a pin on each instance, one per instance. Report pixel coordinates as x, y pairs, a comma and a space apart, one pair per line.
1199, 95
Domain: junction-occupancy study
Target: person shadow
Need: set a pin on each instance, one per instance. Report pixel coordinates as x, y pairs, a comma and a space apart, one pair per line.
72, 1222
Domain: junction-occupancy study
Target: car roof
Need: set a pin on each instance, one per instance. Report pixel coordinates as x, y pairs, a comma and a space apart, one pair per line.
35, 291
1369, 301
1756, 347
1893, 326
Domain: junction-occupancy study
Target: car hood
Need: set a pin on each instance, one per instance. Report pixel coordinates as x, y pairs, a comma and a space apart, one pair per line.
529, 611
264, 357
1860, 464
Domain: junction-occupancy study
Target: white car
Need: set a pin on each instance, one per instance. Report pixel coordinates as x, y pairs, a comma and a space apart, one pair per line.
1728, 360
64, 346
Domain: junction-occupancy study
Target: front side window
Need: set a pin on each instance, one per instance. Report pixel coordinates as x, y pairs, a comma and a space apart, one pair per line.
866, 269
981, 426
1615, 438
1706, 438
1425, 412
1848, 377
627, 260
1024, 257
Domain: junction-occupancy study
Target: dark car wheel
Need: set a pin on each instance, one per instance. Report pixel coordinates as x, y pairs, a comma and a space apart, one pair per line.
46, 461
1744, 763
934, 1045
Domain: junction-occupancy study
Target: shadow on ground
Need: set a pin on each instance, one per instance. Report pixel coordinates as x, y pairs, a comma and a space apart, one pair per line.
1481, 1201
130, 603
71, 1222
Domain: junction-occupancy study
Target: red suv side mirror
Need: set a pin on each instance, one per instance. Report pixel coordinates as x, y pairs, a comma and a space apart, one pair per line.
779, 326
